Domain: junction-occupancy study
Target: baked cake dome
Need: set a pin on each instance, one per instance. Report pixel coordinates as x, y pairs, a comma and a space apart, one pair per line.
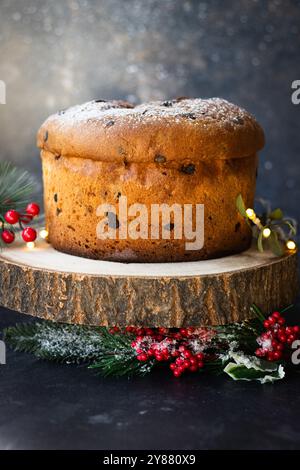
172, 154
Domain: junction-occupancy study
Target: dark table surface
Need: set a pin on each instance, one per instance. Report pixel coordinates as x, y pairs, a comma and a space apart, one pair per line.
51, 406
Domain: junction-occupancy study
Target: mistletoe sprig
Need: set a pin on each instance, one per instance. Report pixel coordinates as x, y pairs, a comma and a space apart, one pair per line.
271, 228
257, 349
16, 189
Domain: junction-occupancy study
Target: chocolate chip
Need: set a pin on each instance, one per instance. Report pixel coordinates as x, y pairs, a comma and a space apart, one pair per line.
62, 111
167, 104
46, 134
118, 195
109, 123
169, 226
237, 227
238, 120
57, 157
113, 221
188, 169
58, 211
189, 116
100, 101
159, 159
55, 197
144, 112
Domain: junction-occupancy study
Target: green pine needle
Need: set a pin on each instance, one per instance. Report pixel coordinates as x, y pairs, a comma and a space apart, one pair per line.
16, 187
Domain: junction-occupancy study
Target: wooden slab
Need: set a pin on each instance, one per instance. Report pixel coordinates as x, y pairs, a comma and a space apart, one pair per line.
60, 287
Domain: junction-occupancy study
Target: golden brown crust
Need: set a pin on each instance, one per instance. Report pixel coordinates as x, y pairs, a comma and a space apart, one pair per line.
75, 187
160, 132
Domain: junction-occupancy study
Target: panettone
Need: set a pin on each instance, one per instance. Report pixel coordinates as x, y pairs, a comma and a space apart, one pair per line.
183, 152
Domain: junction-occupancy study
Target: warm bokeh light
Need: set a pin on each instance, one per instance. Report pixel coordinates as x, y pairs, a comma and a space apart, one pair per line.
266, 232
44, 234
250, 214
291, 245
30, 245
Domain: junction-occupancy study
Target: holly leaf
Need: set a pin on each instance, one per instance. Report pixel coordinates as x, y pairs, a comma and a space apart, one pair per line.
276, 214
241, 372
249, 368
240, 205
275, 244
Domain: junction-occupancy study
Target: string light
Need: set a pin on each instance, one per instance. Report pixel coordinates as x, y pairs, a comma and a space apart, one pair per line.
291, 245
44, 234
250, 214
30, 245
266, 232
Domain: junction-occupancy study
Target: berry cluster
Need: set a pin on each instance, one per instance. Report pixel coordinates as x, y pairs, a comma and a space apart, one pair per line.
276, 341
182, 348
13, 217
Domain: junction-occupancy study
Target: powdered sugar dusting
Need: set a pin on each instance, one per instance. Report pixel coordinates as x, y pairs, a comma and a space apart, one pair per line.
193, 111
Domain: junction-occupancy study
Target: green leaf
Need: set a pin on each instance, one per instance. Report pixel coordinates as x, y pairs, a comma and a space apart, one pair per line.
240, 205
248, 368
241, 372
276, 214
275, 244
260, 242
292, 228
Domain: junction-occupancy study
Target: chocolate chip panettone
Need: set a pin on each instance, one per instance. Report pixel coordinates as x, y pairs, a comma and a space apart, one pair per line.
184, 151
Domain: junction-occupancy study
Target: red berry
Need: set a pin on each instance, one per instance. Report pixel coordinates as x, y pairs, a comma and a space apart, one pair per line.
200, 364
281, 321
159, 357
276, 315
277, 355
279, 347
177, 373
200, 356
174, 353
162, 331
259, 352
133, 344
187, 354
142, 357
289, 330
266, 324
186, 363
270, 356
12, 217
193, 368
183, 331
282, 338
8, 236
271, 321
193, 361
33, 209
172, 366
296, 329
29, 234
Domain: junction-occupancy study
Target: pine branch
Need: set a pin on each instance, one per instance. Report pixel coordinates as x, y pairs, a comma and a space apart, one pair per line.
16, 187
56, 341
118, 358
110, 354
